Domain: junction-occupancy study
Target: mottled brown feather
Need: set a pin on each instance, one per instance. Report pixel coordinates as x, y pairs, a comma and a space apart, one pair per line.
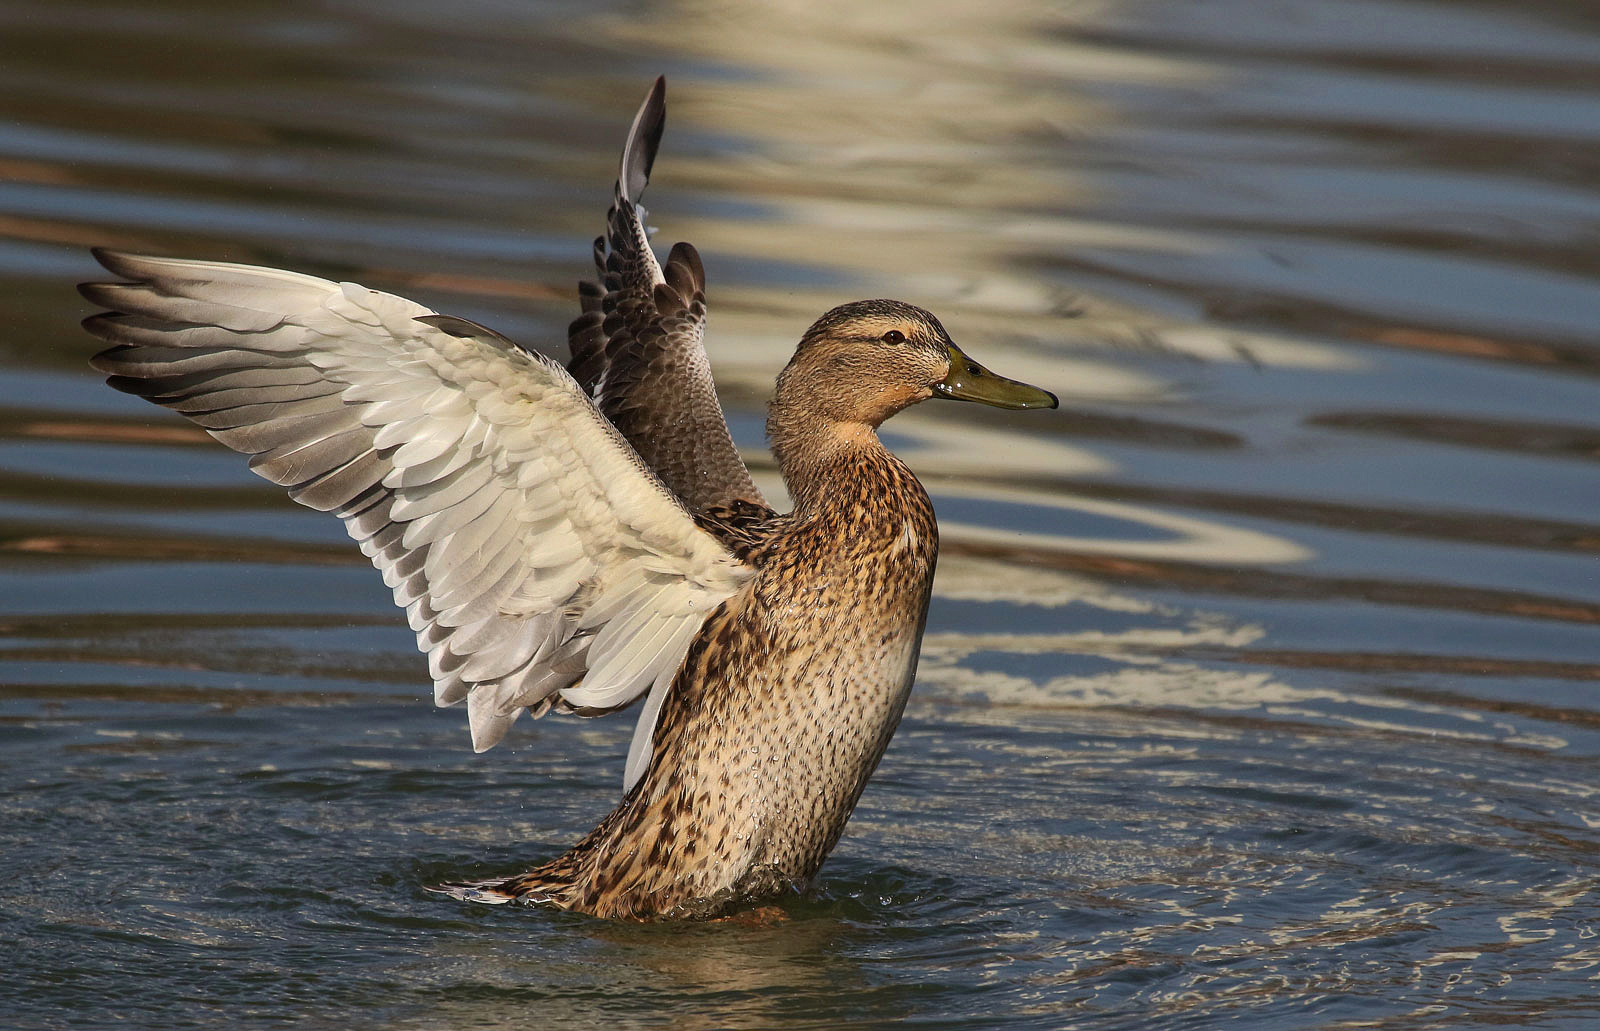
746, 794
637, 346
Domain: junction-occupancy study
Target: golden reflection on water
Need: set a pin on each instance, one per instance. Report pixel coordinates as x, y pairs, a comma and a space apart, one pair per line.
882, 160
1184, 537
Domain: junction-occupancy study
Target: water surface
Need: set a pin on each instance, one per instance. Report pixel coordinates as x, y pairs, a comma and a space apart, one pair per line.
1259, 687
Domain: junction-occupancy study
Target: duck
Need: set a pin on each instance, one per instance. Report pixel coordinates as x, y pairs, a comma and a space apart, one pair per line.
584, 537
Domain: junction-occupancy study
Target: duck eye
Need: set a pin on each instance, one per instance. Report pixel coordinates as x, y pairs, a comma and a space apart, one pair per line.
894, 336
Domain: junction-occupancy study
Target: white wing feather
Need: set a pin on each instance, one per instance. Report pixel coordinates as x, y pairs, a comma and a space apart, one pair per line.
535, 554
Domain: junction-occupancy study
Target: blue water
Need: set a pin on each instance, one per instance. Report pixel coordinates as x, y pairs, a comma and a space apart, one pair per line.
1260, 682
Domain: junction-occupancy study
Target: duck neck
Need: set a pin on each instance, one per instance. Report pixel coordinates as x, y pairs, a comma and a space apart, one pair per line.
813, 451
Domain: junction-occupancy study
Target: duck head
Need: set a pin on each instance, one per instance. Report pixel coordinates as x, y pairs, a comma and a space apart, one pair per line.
862, 362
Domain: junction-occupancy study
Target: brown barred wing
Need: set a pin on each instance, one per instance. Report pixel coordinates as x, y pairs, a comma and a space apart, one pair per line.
638, 347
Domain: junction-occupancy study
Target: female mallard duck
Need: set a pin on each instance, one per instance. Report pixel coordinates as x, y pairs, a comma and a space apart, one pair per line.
578, 538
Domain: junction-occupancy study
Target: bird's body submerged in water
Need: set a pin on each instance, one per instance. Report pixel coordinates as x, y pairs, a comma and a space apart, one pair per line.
582, 540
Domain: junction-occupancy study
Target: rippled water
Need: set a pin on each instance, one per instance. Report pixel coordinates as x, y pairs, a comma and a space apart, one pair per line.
1260, 683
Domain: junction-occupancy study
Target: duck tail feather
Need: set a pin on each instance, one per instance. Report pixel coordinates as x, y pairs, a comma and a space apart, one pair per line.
490, 893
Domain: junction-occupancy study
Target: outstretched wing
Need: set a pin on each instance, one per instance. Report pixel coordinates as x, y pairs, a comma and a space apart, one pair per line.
538, 559
638, 346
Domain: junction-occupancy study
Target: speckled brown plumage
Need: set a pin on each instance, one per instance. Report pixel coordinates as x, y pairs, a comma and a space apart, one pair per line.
780, 714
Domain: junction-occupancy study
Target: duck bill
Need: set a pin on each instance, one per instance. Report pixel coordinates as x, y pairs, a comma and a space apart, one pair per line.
969, 381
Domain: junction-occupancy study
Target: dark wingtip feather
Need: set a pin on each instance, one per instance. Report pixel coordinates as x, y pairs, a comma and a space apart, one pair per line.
109, 362
644, 137
667, 299
118, 263
127, 384
90, 291
684, 271
104, 326
459, 327
121, 263
684, 254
